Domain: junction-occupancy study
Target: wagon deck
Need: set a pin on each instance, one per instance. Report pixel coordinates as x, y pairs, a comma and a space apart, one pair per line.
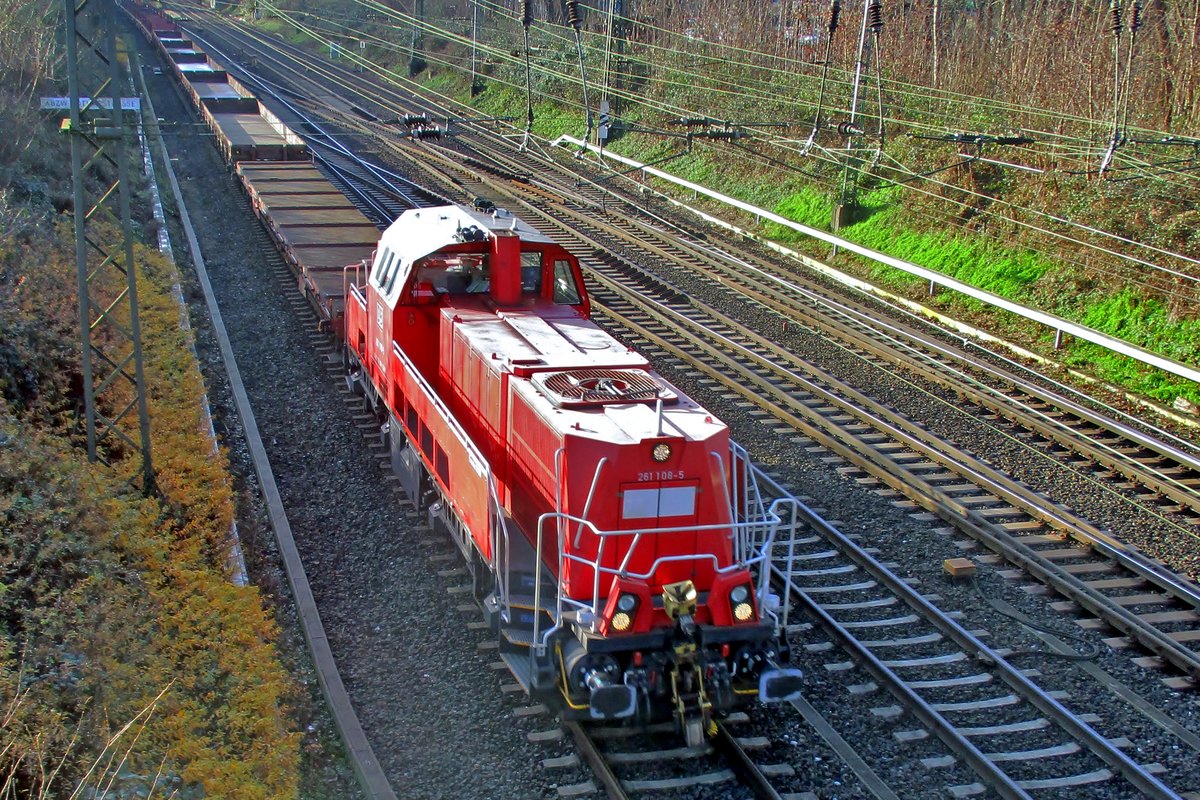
318, 230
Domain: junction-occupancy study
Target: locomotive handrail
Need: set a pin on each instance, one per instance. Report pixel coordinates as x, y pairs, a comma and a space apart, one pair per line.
351, 287
476, 458
753, 527
587, 506
739, 544
500, 525
769, 520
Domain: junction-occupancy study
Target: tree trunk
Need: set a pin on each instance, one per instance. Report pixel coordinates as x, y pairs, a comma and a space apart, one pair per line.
935, 24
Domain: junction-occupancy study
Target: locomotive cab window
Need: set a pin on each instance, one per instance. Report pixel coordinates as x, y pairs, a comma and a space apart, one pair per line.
531, 273
382, 265
565, 290
455, 276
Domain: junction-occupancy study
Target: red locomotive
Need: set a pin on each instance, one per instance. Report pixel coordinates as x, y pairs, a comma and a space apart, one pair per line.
618, 541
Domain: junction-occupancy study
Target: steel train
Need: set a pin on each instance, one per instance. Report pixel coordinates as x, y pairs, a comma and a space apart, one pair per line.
619, 543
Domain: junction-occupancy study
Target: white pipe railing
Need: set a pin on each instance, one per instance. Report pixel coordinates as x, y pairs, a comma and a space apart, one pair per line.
1049, 320
755, 527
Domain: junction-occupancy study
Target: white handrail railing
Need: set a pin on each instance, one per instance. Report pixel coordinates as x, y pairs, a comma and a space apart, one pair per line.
755, 526
1049, 320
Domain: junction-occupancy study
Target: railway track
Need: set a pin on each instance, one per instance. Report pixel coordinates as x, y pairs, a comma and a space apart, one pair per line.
1107, 580
726, 760
1015, 735
1122, 588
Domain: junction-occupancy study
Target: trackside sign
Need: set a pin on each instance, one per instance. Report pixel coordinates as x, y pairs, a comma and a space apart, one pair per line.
64, 103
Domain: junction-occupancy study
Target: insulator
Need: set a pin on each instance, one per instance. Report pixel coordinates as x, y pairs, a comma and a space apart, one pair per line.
720, 134
1114, 13
426, 133
1135, 16
573, 14
835, 11
691, 122
847, 128
526, 13
415, 119
875, 16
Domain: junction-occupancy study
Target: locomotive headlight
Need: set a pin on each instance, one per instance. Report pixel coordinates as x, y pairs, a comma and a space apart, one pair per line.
743, 612
739, 594
621, 621
661, 452
627, 603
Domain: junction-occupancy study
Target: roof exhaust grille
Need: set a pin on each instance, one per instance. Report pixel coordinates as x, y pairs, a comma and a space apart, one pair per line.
602, 386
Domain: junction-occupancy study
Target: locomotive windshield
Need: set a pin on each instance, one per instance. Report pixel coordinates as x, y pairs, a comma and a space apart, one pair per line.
469, 273
565, 290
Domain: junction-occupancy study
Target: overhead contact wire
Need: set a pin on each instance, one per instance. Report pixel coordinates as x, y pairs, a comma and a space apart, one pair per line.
1089, 230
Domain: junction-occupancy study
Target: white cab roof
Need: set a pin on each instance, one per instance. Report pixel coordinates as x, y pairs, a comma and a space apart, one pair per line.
419, 232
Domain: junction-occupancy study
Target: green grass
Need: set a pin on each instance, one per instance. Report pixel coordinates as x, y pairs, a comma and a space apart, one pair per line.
1012, 272
1019, 275
887, 226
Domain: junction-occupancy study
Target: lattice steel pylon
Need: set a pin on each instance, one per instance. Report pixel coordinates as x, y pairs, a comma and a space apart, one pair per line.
114, 382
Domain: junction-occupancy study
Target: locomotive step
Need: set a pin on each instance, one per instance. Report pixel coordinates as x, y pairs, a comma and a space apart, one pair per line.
517, 635
533, 680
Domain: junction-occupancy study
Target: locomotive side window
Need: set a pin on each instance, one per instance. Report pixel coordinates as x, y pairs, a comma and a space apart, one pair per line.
392, 277
379, 273
389, 270
565, 290
377, 267
531, 273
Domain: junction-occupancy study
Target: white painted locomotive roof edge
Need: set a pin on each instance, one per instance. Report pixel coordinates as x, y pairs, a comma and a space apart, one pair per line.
419, 232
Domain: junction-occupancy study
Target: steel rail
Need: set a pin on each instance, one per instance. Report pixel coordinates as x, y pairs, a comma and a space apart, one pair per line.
743, 380
595, 760
358, 748
745, 274
1165, 795
934, 500
267, 89
1135, 773
915, 438
1049, 320
956, 513
743, 766
1079, 529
